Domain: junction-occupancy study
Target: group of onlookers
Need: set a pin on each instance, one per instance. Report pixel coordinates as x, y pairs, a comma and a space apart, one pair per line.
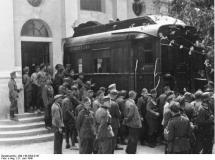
101, 120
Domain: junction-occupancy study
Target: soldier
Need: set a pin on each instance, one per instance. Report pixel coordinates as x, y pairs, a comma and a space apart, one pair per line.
26, 80
141, 104
205, 123
35, 88
121, 102
133, 121
115, 116
57, 123
178, 132
152, 118
48, 98
58, 78
69, 118
86, 128
13, 95
97, 103
104, 130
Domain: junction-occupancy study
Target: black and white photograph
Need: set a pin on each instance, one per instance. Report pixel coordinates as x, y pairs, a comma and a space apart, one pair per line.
106, 77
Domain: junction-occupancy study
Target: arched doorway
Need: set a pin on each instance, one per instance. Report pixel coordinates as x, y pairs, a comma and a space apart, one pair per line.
35, 44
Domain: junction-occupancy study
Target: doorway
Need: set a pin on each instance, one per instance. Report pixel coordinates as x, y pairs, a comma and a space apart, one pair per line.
35, 53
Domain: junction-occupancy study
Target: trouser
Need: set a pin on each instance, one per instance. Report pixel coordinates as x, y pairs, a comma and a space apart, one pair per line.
105, 146
70, 133
13, 108
86, 145
122, 133
143, 132
132, 141
39, 98
204, 144
58, 140
34, 95
47, 116
27, 100
114, 139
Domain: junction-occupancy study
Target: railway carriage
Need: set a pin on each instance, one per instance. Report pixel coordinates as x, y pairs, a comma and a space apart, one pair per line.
135, 54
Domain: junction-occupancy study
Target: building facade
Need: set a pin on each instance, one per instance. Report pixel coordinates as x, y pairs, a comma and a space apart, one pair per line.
32, 31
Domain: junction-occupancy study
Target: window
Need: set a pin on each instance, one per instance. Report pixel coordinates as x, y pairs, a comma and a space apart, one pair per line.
102, 65
34, 28
148, 52
80, 65
92, 5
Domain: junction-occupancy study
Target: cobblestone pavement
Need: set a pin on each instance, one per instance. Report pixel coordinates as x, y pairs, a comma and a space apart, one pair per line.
47, 148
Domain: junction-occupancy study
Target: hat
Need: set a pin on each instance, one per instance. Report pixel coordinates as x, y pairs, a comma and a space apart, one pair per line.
74, 87
112, 86
13, 73
205, 96
188, 96
114, 91
58, 96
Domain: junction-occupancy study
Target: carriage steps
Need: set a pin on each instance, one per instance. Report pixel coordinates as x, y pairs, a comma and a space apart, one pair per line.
29, 129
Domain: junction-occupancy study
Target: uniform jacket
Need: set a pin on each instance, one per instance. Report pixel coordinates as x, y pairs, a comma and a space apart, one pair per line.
115, 114
121, 103
189, 110
68, 112
26, 80
86, 124
205, 121
96, 105
132, 116
141, 104
57, 115
178, 134
151, 109
103, 121
161, 102
48, 95
13, 91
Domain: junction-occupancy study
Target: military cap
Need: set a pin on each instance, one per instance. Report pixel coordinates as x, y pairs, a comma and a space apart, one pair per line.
112, 86
206, 96
58, 96
198, 94
74, 87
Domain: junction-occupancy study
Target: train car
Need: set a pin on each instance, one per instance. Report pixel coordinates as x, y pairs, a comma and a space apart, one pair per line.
141, 54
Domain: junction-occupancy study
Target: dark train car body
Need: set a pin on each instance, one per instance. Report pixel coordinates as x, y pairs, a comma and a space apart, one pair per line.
134, 58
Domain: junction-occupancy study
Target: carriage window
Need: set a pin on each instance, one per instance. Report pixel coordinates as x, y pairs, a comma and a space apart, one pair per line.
148, 52
80, 65
102, 65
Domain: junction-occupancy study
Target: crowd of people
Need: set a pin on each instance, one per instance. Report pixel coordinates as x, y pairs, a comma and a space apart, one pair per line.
101, 120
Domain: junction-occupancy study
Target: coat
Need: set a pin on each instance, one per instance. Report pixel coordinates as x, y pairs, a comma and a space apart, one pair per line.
115, 114
68, 113
86, 124
57, 115
13, 91
48, 95
26, 80
205, 121
132, 116
103, 123
178, 133
141, 104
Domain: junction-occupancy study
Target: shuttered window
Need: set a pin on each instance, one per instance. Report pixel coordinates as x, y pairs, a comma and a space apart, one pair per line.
92, 5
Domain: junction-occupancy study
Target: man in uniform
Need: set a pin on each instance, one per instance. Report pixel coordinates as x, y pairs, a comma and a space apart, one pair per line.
141, 104
104, 130
178, 132
86, 128
69, 118
13, 95
205, 123
133, 121
115, 115
57, 123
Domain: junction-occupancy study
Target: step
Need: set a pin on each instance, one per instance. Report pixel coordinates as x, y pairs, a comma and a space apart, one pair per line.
25, 115
16, 127
23, 120
22, 133
27, 139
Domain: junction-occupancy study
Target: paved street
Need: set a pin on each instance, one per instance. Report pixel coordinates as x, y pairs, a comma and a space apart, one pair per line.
47, 148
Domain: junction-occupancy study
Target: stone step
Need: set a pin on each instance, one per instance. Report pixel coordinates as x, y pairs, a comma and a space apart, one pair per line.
27, 139
23, 120
22, 133
25, 126
25, 115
